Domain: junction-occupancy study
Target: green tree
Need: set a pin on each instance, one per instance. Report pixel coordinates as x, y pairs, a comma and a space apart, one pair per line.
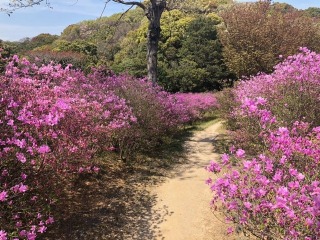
133, 46
5, 52
198, 64
313, 12
255, 34
132, 54
80, 46
80, 53
41, 40
152, 9
190, 54
27, 44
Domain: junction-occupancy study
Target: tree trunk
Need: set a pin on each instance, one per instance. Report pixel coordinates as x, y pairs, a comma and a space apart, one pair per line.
154, 13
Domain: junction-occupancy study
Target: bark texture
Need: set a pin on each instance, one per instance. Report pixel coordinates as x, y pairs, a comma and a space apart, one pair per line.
154, 13
153, 10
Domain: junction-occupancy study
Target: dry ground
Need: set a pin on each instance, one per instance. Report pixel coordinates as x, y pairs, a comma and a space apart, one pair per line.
160, 198
183, 200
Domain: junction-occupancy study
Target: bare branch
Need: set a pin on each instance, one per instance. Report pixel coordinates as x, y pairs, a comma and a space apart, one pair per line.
104, 8
125, 12
132, 3
17, 4
25, 4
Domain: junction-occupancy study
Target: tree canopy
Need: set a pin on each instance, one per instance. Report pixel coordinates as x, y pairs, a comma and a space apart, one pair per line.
256, 34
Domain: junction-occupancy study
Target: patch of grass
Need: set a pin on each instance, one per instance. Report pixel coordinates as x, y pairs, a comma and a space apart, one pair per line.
207, 120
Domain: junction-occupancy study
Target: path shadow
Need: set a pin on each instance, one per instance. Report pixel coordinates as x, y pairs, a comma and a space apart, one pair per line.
113, 205
221, 143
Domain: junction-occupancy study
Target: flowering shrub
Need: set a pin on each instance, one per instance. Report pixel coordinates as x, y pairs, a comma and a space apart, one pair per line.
46, 56
274, 191
54, 120
196, 104
158, 113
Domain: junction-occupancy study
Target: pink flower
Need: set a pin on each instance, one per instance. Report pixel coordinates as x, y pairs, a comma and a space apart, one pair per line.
283, 130
106, 114
248, 205
240, 153
31, 236
50, 220
208, 181
62, 104
10, 122
230, 230
293, 172
294, 184
20, 143
232, 149
18, 224
34, 198
42, 229
23, 188
3, 235
283, 191
21, 157
23, 233
112, 148
43, 149
213, 167
3, 196
20, 188
23, 176
225, 158
278, 176
247, 164
309, 222
261, 101
300, 176
283, 159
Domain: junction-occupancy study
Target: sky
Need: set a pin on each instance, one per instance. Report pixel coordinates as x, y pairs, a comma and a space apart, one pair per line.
30, 22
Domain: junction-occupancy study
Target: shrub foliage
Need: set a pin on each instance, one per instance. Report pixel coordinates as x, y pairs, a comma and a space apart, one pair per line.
55, 120
271, 183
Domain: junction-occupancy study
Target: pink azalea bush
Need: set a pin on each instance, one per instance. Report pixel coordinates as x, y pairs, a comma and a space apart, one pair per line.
55, 120
158, 113
273, 192
196, 104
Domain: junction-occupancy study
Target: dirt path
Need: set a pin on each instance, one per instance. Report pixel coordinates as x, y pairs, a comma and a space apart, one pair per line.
146, 203
182, 201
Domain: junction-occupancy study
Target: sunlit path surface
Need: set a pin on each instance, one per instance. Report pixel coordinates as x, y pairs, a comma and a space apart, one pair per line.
183, 200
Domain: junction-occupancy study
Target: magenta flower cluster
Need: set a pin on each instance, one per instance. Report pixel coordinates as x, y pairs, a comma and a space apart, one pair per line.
275, 193
54, 121
196, 104
158, 113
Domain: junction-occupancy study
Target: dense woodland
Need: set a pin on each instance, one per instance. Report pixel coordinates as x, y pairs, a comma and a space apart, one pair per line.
203, 48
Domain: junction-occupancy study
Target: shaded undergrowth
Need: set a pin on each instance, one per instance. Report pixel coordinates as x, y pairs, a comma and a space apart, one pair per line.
114, 204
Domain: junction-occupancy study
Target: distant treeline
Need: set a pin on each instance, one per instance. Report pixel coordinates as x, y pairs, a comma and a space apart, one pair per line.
202, 48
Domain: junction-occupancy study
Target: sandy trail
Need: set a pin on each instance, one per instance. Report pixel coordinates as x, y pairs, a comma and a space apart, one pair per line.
182, 200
